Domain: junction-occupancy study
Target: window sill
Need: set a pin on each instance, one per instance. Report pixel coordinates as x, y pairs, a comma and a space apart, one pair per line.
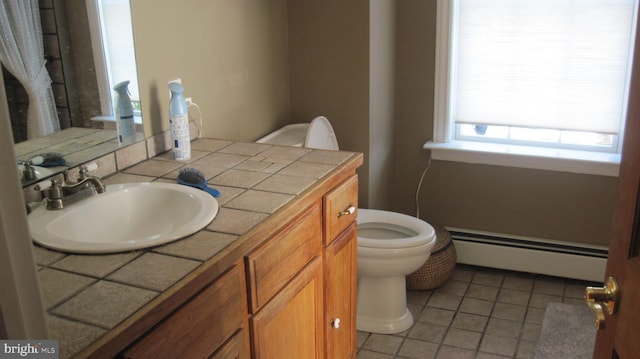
593, 163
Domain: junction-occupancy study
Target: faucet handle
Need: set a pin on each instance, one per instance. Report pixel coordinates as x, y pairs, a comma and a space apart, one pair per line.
91, 167
43, 185
85, 169
82, 174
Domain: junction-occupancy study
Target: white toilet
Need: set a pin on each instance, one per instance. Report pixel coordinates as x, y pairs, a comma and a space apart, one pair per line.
390, 245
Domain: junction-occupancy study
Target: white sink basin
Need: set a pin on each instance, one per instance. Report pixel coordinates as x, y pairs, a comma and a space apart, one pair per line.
125, 217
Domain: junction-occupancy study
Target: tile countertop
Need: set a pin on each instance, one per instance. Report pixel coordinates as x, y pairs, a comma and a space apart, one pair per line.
87, 296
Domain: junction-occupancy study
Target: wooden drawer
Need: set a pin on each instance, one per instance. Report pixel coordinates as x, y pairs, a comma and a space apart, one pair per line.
340, 208
200, 326
237, 347
278, 260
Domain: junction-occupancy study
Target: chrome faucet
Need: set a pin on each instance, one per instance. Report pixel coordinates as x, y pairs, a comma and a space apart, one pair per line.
59, 191
28, 172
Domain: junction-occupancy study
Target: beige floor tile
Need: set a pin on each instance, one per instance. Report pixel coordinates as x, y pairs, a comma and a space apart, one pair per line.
444, 301
437, 316
473, 322
526, 350
498, 345
454, 287
382, 343
447, 352
509, 311
549, 286
497, 316
418, 296
511, 296
476, 306
460, 338
489, 278
503, 328
517, 282
428, 332
482, 292
367, 354
417, 349
539, 300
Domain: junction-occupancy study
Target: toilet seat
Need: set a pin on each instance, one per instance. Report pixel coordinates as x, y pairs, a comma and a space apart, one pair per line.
398, 230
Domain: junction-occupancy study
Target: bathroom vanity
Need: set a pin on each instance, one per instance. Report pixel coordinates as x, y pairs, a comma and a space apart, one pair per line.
283, 288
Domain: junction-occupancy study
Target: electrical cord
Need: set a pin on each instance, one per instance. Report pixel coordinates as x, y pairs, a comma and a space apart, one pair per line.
190, 103
424, 173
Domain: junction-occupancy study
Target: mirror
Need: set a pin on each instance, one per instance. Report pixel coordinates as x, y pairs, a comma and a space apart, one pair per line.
69, 44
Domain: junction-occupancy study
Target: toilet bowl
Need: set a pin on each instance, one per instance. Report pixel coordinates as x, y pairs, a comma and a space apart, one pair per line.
390, 245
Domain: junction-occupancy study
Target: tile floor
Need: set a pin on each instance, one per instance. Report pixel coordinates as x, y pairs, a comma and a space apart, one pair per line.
479, 313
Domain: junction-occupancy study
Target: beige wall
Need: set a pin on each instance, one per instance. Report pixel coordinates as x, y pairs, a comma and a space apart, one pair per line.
230, 55
329, 70
341, 61
381, 102
544, 204
254, 66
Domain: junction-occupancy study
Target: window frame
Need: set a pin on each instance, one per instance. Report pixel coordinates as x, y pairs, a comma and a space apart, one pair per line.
444, 146
102, 64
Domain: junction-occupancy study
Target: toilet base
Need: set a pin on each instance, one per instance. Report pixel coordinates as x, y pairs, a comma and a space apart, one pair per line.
382, 305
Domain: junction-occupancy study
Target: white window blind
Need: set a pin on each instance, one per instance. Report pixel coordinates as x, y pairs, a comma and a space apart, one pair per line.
554, 64
113, 49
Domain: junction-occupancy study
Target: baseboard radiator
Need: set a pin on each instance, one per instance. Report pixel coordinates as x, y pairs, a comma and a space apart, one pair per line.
532, 255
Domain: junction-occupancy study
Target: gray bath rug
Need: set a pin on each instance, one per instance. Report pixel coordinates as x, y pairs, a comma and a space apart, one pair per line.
568, 332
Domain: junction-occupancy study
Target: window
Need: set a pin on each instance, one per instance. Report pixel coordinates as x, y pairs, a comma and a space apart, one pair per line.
533, 83
113, 50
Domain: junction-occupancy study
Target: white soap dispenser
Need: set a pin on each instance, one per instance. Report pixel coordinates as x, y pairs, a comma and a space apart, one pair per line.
179, 123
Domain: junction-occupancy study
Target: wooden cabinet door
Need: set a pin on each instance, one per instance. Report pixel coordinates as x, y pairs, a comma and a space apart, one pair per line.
340, 294
201, 325
290, 326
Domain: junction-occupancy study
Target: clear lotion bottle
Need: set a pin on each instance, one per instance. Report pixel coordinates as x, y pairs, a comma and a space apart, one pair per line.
124, 114
179, 123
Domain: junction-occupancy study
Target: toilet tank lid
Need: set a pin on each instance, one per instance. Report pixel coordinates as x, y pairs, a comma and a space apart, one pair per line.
320, 135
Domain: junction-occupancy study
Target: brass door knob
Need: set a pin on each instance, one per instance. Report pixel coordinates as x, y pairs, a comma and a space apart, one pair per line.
601, 299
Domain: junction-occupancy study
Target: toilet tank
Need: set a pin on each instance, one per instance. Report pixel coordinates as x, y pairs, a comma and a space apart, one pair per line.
318, 134
289, 135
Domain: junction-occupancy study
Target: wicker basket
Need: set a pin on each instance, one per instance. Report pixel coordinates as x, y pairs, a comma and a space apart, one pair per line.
439, 267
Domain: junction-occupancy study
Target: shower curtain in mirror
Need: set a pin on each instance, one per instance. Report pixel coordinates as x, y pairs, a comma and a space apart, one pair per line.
22, 54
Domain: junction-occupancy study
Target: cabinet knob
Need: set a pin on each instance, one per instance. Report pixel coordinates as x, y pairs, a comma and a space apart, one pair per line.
350, 210
335, 323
